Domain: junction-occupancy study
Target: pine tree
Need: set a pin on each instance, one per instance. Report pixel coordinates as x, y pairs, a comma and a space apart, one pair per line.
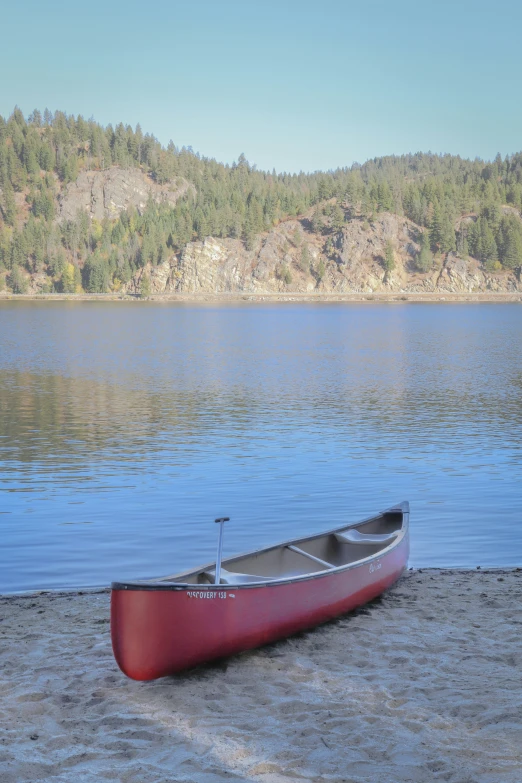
56, 262
337, 218
30, 159
448, 241
487, 246
149, 248
70, 169
436, 227
424, 260
5, 241
3, 130
305, 260
317, 221
389, 257
9, 205
120, 149
491, 212
320, 270
46, 157
462, 242
144, 286
384, 197
512, 255
96, 274
17, 281
442, 233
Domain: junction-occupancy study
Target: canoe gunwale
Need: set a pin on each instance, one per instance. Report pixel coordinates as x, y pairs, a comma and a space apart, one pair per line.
162, 585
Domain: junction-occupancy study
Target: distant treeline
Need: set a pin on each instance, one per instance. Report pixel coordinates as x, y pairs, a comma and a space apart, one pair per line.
457, 201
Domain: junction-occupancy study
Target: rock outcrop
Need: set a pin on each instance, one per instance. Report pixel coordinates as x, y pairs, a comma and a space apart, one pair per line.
107, 193
291, 258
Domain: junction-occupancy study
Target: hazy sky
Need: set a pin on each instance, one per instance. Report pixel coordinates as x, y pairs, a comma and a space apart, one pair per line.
293, 84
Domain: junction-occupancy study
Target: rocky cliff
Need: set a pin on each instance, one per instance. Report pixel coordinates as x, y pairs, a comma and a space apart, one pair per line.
105, 194
292, 257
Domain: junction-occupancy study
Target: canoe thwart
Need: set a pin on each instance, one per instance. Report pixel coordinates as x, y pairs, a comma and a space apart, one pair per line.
309, 556
356, 537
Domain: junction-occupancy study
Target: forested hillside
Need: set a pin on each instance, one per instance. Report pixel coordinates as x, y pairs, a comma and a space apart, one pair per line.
469, 207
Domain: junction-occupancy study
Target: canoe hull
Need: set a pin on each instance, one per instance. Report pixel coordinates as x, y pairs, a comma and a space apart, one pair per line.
158, 632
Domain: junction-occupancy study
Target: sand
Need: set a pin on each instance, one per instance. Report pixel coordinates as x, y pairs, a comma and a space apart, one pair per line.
422, 685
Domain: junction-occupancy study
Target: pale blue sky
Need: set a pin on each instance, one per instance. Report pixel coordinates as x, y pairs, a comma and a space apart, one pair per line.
293, 84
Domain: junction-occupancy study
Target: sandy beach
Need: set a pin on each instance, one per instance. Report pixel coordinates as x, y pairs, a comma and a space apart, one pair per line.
422, 685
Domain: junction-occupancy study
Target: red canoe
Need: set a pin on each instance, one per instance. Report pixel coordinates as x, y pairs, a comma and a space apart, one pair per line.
162, 626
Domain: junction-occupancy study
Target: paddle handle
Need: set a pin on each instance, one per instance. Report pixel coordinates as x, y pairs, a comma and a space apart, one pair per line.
220, 522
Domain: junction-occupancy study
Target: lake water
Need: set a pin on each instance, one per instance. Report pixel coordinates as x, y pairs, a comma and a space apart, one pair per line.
126, 428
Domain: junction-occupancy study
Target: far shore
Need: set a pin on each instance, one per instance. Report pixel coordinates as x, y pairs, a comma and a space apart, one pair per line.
238, 297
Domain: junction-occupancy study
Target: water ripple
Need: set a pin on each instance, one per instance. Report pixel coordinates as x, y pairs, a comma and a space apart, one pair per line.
126, 428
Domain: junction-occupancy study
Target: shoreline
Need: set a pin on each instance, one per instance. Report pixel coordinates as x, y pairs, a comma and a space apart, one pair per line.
100, 589
269, 298
419, 685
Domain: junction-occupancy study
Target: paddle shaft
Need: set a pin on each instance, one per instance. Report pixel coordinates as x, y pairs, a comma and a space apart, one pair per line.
220, 522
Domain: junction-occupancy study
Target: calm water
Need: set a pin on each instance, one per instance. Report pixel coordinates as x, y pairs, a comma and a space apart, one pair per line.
125, 428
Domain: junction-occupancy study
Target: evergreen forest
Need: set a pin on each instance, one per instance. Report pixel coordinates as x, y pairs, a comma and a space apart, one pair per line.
459, 205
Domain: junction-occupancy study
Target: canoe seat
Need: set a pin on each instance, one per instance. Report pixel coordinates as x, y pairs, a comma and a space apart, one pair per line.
231, 578
355, 537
